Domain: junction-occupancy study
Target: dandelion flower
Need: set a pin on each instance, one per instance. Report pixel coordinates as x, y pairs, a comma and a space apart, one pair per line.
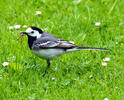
97, 24
17, 26
5, 64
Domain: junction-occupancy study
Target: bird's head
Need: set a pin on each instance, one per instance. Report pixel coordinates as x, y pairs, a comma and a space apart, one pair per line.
32, 32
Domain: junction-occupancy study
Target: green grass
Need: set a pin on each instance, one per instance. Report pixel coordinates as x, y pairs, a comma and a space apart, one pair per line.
73, 22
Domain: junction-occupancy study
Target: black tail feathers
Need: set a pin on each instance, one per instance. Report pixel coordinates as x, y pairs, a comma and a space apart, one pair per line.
92, 48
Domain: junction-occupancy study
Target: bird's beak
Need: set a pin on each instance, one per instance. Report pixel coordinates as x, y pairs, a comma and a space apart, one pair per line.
21, 34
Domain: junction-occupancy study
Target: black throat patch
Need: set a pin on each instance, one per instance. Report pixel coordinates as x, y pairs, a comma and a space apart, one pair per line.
31, 41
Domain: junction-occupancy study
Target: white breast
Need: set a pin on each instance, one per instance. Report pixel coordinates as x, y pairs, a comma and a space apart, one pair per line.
48, 53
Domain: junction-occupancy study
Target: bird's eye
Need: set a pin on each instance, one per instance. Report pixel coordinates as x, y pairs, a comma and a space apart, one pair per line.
32, 32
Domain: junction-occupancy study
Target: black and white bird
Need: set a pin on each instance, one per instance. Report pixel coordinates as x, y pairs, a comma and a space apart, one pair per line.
48, 47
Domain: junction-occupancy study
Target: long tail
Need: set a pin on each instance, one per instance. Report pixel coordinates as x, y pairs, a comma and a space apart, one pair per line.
91, 48
86, 48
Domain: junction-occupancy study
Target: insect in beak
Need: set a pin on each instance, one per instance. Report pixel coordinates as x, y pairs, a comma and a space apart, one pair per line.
21, 34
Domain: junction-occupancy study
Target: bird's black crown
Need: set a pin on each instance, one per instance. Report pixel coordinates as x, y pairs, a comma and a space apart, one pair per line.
37, 29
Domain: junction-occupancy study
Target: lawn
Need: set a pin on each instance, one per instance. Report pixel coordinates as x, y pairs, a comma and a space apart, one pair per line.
77, 75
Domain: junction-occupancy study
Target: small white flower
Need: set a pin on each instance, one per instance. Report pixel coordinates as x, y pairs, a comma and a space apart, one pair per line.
24, 26
97, 24
11, 27
71, 42
75, 79
17, 26
46, 29
106, 59
116, 42
38, 12
91, 76
106, 98
5, 64
53, 78
104, 63
77, 1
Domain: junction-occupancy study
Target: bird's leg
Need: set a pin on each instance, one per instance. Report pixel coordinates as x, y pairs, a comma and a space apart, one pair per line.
48, 65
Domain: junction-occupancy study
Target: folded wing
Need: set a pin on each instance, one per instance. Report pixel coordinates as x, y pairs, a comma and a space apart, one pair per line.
46, 43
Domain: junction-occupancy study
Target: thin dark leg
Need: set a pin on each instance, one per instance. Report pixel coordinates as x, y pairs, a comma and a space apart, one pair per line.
48, 65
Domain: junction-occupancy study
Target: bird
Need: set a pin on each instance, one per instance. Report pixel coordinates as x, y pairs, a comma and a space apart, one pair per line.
48, 47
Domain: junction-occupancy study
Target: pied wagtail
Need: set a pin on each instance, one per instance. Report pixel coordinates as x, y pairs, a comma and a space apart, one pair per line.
48, 47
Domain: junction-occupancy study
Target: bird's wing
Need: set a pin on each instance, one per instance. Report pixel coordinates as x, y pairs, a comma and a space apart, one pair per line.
65, 44
47, 42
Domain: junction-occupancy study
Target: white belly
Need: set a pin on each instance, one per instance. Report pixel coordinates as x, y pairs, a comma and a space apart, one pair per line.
48, 53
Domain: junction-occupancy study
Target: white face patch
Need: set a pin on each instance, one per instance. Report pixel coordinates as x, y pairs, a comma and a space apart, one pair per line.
33, 33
